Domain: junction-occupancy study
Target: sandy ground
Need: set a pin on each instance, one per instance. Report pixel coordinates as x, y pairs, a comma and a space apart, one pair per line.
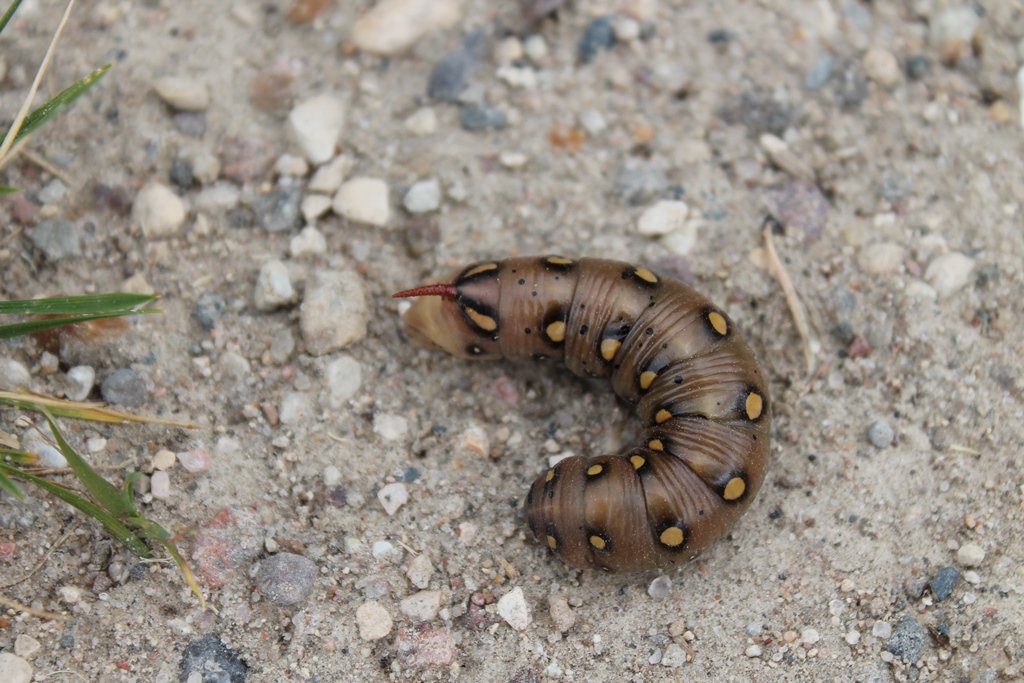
901, 204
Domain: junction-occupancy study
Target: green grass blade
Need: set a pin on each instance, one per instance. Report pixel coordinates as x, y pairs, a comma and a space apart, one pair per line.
186, 572
116, 529
8, 14
60, 102
7, 189
109, 303
11, 330
7, 484
102, 491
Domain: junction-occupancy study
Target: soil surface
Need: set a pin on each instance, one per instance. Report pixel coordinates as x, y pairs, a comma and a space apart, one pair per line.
351, 504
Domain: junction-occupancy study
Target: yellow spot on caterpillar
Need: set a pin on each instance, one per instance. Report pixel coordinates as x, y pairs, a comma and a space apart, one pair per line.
595, 470
662, 415
610, 347
598, 542
646, 275
549, 476
556, 331
717, 321
647, 378
482, 268
754, 405
656, 445
734, 489
552, 543
559, 261
638, 461
673, 537
484, 322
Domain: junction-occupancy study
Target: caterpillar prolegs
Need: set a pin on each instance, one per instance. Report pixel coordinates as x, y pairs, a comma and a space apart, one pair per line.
697, 389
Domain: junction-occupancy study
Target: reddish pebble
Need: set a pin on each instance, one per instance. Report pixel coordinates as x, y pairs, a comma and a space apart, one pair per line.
7, 549
423, 646
195, 461
505, 389
23, 210
859, 347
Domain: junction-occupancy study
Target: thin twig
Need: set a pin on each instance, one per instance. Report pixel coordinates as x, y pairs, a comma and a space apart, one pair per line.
48, 166
12, 132
779, 272
44, 558
41, 613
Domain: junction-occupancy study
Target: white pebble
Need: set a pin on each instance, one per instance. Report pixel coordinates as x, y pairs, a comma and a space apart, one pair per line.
164, 459
331, 475
315, 125
423, 197
328, 178
561, 614
273, 286
674, 657
422, 606
26, 646
626, 29
881, 258
662, 218
853, 637
535, 48
373, 620
363, 200
333, 314
508, 50
309, 242
389, 426
881, 66
810, 636
970, 555
70, 595
422, 122
195, 461
79, 382
949, 273
295, 408
14, 669
753, 651
160, 485
291, 166
392, 497
881, 630
344, 376
313, 206
420, 570
682, 240
593, 121
513, 609
182, 93
385, 550
158, 211
393, 26
50, 456
972, 577
512, 160
660, 587
14, 374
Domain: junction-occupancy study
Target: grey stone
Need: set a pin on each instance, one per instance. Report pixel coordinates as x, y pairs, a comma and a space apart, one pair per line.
286, 579
57, 238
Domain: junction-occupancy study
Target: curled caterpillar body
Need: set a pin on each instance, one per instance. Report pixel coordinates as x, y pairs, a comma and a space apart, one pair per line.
700, 394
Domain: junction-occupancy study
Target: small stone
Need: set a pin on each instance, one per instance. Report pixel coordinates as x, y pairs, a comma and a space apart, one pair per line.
14, 374
392, 497
598, 36
881, 630
278, 210
674, 657
422, 606
513, 609
782, 156
518, 76
423, 197
209, 308
363, 200
309, 242
561, 614
510, 159
908, 639
508, 50
373, 620
810, 636
233, 366
660, 588
662, 218
182, 93
295, 408
286, 579
291, 166
423, 647
951, 31
79, 382
125, 387
56, 238
26, 646
949, 273
852, 637
450, 76
344, 376
536, 48
384, 550
160, 485
474, 440
481, 116
880, 434
881, 66
389, 426
801, 205
753, 651
626, 29
820, 73
195, 461
944, 582
14, 669
273, 287
420, 570
333, 314
970, 555
754, 629
917, 67
422, 122
881, 258
315, 125
158, 211
208, 659
164, 459
593, 121
393, 26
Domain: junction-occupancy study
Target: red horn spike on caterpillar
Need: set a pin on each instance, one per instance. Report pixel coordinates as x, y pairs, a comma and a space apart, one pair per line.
445, 291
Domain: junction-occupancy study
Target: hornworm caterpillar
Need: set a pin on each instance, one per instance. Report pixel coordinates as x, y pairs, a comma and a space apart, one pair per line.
697, 389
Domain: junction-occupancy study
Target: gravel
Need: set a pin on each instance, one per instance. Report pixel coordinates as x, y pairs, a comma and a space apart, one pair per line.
315, 126
970, 555
907, 640
513, 609
373, 621
943, 583
286, 579
158, 211
125, 387
880, 434
208, 659
333, 314
57, 239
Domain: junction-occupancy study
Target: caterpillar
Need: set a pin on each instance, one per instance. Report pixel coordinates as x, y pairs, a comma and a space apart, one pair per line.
696, 387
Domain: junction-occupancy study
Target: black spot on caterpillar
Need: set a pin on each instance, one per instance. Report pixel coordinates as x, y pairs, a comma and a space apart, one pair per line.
697, 388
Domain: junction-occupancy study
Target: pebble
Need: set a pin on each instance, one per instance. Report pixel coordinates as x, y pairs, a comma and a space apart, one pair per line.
314, 206
309, 242
286, 579
344, 376
508, 50
221, 196
801, 206
295, 408
363, 200
523, 77
393, 26
754, 629
291, 166
513, 160
422, 122
780, 154
662, 218
26, 646
423, 197
422, 647
392, 497
450, 76
56, 238
14, 374
209, 659
182, 93
952, 29
593, 121
233, 366
420, 570
562, 615
158, 211
70, 595
385, 550
881, 258
209, 308
125, 387
598, 36
753, 651
917, 67
14, 669
373, 620
164, 459
535, 48
513, 609
943, 583
880, 434
195, 461
160, 485
389, 426
881, 66
626, 29
278, 210
421, 606
328, 178
810, 636
852, 637
970, 555
481, 116
819, 73
315, 125
949, 273
907, 641
660, 588
674, 657
181, 174
333, 314
273, 286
